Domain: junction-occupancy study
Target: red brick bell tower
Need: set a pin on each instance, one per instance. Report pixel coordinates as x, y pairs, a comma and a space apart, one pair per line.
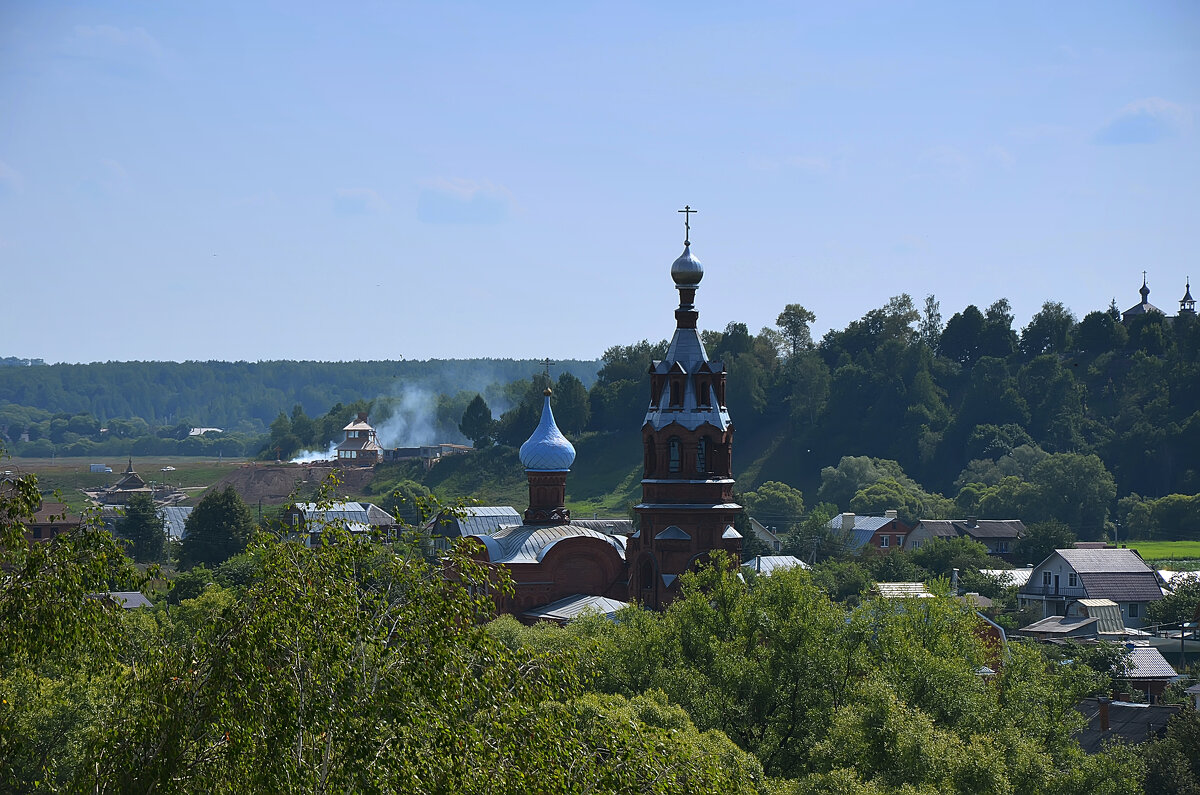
687, 507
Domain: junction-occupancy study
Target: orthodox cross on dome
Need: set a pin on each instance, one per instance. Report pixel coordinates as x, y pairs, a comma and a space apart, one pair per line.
687, 227
546, 363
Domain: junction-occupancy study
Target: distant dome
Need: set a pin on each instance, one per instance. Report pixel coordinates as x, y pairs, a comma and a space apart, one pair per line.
547, 450
687, 270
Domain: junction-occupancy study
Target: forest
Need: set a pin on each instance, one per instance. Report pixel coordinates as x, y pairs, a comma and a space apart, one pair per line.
1088, 421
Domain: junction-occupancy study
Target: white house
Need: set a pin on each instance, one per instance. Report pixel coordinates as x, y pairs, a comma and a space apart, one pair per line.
1070, 574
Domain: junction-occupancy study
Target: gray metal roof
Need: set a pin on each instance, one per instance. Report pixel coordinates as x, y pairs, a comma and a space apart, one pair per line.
530, 543
344, 512
1085, 561
1017, 577
1147, 662
673, 532
1128, 723
1064, 626
614, 527
903, 590
982, 528
574, 606
129, 600
175, 521
766, 564
1108, 613
474, 521
869, 523
687, 352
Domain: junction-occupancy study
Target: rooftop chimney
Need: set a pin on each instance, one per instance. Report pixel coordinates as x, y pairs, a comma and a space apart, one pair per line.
972, 521
890, 513
847, 522
362, 416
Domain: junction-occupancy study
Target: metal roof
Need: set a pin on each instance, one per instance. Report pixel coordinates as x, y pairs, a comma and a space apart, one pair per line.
479, 520
902, 590
547, 450
1147, 662
766, 564
530, 543
673, 532
129, 600
175, 521
1085, 561
1063, 625
343, 512
1122, 586
1107, 612
1017, 577
870, 523
574, 606
686, 353
614, 527
983, 528
1128, 723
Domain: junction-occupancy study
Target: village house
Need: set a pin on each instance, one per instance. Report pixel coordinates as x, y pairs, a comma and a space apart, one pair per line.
50, 519
885, 533
1072, 574
360, 447
307, 520
998, 535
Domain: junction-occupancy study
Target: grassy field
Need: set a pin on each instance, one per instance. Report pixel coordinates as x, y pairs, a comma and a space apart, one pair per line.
70, 475
1167, 550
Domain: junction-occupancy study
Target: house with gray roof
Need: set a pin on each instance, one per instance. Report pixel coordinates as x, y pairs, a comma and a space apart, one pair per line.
1085, 618
308, 520
1071, 574
768, 564
884, 533
174, 520
998, 535
572, 607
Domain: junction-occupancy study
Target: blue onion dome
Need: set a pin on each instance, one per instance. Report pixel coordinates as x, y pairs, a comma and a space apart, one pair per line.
687, 270
547, 450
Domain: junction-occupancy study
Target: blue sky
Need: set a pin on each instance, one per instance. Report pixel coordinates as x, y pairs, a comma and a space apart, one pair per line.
383, 180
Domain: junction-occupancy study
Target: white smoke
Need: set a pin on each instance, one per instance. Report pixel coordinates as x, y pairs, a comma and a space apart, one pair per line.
413, 420
311, 456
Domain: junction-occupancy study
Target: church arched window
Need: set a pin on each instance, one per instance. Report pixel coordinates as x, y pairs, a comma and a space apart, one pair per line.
675, 453
647, 575
702, 455
676, 392
651, 458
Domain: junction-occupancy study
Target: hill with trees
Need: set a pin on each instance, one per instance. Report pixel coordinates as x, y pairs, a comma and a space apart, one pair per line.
1085, 421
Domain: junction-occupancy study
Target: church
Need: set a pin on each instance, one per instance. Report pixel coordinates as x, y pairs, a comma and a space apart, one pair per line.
559, 566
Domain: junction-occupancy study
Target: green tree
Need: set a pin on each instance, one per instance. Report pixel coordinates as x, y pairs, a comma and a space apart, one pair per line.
572, 411
477, 423
794, 324
776, 505
1049, 330
1182, 604
143, 527
1173, 762
962, 338
220, 526
929, 329
1040, 541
